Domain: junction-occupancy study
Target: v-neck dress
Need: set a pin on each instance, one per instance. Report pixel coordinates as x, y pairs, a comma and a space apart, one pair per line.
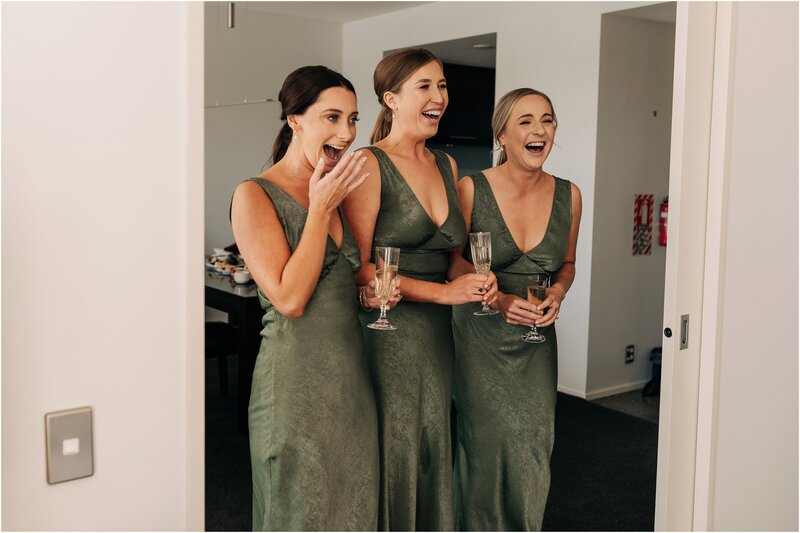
505, 388
412, 366
313, 423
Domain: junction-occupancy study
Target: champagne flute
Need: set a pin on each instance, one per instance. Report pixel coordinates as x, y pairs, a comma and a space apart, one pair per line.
386, 263
537, 292
480, 243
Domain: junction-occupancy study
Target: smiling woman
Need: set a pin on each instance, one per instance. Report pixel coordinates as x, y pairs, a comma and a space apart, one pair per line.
313, 430
505, 383
410, 202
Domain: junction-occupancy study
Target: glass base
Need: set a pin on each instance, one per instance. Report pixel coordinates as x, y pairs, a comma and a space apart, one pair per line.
382, 324
486, 311
534, 337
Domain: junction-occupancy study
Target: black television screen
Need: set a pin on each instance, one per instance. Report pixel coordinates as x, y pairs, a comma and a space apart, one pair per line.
468, 117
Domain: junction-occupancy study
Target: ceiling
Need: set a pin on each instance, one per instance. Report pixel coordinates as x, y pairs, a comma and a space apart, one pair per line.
333, 11
657, 12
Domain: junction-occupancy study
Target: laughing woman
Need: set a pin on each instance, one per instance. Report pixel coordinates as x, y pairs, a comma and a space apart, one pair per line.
410, 201
505, 388
313, 424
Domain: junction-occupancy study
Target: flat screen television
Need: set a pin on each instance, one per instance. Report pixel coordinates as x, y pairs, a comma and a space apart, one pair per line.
468, 117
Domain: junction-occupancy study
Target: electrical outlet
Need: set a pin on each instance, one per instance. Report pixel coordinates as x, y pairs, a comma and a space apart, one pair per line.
629, 354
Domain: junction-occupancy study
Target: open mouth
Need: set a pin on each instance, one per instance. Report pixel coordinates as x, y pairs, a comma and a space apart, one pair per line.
535, 148
432, 115
332, 152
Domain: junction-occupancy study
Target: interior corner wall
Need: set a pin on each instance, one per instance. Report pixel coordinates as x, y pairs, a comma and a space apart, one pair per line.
550, 46
633, 147
755, 465
100, 144
250, 61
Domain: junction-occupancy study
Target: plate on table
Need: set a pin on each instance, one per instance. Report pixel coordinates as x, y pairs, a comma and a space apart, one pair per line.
221, 264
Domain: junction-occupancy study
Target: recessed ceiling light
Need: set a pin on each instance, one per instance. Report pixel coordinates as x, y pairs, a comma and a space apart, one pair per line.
482, 45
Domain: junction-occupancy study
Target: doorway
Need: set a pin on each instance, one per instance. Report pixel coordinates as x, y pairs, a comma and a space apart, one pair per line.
631, 182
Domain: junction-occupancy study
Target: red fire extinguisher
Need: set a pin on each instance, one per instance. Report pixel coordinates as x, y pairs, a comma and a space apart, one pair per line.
662, 222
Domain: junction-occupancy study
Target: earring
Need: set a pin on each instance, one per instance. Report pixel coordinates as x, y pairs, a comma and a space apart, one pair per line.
502, 148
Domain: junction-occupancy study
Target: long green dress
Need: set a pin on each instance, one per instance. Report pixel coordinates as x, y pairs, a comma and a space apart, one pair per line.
412, 367
313, 423
505, 388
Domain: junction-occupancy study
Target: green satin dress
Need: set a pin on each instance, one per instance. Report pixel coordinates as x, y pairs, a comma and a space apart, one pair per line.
505, 388
412, 367
313, 423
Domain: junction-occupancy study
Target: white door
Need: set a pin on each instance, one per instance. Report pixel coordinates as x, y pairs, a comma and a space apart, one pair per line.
686, 249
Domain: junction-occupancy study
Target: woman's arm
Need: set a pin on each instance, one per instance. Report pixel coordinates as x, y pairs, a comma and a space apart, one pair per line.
564, 276
288, 279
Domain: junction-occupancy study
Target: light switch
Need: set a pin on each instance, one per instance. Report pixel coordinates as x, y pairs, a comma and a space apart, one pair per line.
68, 435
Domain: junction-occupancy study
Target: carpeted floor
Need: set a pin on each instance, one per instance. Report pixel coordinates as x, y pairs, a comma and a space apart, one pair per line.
603, 466
603, 470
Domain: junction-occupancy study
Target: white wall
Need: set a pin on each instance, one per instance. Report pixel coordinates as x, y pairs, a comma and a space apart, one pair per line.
550, 46
627, 291
756, 447
102, 243
250, 62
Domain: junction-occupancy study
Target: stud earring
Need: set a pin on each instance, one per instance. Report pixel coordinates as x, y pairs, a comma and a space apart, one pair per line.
502, 148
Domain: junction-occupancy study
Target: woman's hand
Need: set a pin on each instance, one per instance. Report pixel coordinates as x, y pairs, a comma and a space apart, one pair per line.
370, 300
551, 303
471, 288
517, 311
326, 192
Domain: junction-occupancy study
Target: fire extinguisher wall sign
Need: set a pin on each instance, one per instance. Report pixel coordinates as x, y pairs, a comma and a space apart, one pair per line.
662, 222
642, 224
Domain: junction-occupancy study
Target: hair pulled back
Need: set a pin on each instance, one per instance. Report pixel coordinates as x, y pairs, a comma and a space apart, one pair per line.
502, 112
390, 74
300, 90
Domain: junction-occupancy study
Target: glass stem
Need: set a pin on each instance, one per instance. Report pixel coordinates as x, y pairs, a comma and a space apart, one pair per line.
383, 311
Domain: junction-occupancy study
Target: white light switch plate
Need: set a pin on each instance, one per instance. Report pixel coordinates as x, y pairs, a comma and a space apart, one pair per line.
69, 444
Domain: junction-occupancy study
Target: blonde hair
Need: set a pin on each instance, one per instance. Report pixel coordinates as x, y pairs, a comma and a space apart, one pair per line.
502, 112
390, 74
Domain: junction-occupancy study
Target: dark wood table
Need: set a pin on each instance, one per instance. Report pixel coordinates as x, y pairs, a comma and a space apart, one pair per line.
244, 312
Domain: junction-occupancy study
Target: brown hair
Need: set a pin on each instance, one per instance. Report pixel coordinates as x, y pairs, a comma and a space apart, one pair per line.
502, 112
299, 91
390, 74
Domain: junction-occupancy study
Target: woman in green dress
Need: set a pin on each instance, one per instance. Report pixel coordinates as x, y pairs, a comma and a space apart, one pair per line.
505, 388
312, 417
409, 201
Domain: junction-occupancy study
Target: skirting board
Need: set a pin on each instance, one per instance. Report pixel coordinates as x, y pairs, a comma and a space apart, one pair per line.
619, 389
571, 392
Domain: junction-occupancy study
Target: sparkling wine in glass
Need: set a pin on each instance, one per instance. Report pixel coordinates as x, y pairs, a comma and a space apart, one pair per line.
386, 262
480, 244
537, 292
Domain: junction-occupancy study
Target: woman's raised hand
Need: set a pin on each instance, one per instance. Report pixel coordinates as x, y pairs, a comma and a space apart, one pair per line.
327, 191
